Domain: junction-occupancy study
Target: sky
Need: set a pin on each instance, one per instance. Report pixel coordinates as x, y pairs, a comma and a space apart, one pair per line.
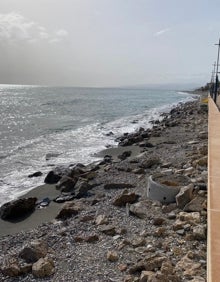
108, 43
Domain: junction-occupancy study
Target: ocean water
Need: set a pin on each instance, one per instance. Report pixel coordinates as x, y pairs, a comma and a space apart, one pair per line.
42, 127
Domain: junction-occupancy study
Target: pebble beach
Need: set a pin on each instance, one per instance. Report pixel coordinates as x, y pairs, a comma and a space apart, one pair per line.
115, 232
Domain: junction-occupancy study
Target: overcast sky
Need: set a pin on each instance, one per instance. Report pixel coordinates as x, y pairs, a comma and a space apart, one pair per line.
108, 42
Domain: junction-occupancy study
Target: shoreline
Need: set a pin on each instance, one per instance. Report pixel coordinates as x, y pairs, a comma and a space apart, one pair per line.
19, 190
45, 215
123, 236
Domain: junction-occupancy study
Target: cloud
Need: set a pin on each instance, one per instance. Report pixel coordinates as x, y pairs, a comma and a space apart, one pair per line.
160, 32
14, 27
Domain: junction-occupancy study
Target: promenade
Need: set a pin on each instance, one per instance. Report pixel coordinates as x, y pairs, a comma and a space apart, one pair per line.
213, 253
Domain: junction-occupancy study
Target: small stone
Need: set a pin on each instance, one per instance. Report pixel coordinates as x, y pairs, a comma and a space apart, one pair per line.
159, 232
122, 267
178, 225
108, 230
125, 198
198, 279
92, 238
171, 215
169, 208
138, 242
112, 256
180, 232
190, 217
199, 232
139, 171
101, 219
167, 267
146, 275
35, 174
158, 221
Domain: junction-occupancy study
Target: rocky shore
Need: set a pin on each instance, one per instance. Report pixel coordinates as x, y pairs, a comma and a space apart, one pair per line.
103, 227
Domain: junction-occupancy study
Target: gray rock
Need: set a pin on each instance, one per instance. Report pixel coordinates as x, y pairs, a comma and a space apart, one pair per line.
184, 196
66, 184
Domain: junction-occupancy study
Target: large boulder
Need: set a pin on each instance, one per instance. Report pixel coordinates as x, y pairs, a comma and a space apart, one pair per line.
81, 188
17, 209
66, 183
55, 175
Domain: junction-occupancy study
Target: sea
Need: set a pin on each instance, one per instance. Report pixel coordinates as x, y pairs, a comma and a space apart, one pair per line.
42, 127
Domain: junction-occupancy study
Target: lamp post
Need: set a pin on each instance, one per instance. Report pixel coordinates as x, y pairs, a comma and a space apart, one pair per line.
216, 77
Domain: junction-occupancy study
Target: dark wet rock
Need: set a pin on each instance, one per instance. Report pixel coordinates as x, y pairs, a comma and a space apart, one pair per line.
55, 175
117, 186
110, 133
34, 251
126, 142
71, 171
125, 198
146, 144
17, 209
35, 174
145, 134
81, 188
66, 184
124, 155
